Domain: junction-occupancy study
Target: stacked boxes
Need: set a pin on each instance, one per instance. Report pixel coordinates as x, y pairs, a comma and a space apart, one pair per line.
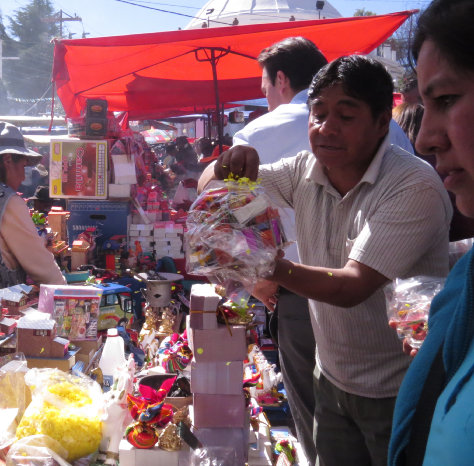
219, 410
143, 233
168, 237
164, 238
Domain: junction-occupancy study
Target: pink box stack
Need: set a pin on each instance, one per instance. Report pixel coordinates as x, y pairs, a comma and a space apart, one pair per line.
203, 306
219, 410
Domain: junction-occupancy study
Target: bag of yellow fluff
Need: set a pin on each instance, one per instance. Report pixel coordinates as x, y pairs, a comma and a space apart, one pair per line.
66, 408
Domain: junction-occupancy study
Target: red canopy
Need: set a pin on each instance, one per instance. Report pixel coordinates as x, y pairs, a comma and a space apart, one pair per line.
169, 73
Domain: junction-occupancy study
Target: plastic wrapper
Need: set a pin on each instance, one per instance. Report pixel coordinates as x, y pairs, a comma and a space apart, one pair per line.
233, 234
36, 450
408, 306
458, 248
66, 408
213, 456
14, 398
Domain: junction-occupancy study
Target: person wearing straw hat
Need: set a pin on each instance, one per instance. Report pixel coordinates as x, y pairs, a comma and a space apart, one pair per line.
22, 251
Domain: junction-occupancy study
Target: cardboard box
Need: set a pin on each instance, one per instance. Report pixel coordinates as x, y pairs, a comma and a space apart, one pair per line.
63, 364
131, 456
109, 217
203, 305
120, 191
74, 308
219, 410
85, 358
78, 168
88, 345
217, 344
224, 378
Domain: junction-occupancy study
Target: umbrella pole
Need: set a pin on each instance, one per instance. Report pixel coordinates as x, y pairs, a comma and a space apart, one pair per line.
216, 91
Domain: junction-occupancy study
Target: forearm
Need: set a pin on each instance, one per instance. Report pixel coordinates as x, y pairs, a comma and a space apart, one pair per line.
25, 245
345, 287
206, 177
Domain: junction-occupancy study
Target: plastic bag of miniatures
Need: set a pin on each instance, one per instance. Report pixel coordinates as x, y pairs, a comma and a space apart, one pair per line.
408, 305
233, 233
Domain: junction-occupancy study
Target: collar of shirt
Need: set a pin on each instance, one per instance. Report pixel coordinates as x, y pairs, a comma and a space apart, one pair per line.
300, 98
315, 171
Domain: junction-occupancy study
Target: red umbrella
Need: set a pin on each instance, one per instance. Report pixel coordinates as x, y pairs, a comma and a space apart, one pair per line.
173, 73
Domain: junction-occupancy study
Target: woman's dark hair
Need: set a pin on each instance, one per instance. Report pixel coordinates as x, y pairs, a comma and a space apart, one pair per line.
297, 57
361, 77
3, 173
449, 24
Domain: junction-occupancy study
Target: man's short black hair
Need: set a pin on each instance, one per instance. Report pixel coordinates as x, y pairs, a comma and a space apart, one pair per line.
361, 77
297, 57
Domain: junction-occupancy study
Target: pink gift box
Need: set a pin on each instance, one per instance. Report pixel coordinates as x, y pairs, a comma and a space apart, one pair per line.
218, 344
219, 410
224, 378
203, 306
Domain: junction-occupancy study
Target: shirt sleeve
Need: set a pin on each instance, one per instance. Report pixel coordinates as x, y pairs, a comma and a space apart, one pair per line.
402, 230
397, 136
26, 246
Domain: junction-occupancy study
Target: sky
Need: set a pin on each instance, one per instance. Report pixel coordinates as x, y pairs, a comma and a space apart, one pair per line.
119, 17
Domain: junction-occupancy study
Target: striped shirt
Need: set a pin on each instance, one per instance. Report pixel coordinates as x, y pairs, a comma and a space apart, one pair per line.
396, 221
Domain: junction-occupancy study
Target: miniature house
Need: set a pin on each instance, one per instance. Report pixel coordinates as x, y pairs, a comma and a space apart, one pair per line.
15, 298
36, 337
7, 325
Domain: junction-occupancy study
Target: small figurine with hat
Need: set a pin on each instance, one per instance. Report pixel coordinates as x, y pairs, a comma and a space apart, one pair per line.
41, 200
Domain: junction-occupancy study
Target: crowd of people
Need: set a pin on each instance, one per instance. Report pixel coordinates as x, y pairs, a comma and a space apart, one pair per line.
366, 208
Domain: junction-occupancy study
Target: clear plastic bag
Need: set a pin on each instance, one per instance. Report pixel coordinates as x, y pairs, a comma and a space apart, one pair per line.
408, 305
458, 248
233, 233
213, 456
66, 408
15, 396
36, 450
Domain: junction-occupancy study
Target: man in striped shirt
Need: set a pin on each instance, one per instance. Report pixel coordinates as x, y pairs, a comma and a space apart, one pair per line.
366, 213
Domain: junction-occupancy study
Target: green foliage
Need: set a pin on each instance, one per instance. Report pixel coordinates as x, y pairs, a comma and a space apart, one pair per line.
32, 27
364, 12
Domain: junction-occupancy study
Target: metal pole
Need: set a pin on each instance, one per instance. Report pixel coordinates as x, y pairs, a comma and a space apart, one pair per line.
216, 91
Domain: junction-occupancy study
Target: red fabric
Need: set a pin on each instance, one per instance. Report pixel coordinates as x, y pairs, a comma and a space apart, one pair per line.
161, 74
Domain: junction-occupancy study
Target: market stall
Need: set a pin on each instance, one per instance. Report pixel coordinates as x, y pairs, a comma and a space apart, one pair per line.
154, 351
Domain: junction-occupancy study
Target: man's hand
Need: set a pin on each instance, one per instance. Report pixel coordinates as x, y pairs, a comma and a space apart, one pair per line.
407, 348
241, 161
266, 292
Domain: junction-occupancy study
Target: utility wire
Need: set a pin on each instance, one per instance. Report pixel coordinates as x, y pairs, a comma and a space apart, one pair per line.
169, 4
172, 12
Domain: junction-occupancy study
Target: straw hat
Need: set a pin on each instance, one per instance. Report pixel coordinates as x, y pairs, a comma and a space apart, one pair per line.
12, 142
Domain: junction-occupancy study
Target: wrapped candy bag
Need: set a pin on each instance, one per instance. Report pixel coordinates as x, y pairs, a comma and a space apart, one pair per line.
233, 233
66, 408
408, 306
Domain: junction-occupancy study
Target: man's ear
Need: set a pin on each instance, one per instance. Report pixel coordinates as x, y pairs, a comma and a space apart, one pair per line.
383, 122
281, 81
